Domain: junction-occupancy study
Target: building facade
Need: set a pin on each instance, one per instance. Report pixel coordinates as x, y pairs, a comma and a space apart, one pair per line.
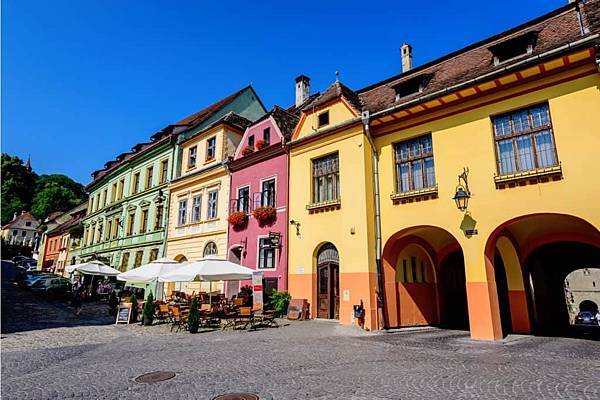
22, 230
258, 215
456, 193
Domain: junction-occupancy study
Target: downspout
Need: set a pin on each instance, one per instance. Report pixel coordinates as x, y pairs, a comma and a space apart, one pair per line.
167, 210
380, 303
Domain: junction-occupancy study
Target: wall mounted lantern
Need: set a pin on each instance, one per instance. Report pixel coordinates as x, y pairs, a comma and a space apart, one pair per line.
463, 194
297, 225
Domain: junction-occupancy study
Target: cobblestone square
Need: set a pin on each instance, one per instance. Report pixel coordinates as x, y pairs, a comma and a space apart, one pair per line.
301, 360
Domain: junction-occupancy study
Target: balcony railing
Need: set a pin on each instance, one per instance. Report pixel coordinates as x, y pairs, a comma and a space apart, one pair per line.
259, 199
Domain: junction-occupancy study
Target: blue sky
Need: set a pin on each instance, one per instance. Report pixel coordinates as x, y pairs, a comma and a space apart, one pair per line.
83, 81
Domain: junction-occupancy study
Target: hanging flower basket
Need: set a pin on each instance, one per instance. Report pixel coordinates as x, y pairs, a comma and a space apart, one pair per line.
261, 144
238, 220
247, 150
265, 215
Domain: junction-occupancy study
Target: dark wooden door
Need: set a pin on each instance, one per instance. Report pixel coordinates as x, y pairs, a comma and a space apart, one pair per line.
328, 291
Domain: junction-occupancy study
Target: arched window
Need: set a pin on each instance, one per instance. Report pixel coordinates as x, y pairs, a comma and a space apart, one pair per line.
328, 254
210, 249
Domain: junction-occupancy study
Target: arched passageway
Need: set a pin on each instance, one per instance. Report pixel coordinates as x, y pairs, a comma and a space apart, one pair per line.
424, 279
530, 258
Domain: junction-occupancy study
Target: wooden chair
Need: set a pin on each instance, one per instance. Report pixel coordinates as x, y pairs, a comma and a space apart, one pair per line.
179, 320
238, 302
265, 318
245, 318
164, 313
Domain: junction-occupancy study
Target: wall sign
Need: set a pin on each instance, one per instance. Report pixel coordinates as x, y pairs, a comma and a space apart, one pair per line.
257, 291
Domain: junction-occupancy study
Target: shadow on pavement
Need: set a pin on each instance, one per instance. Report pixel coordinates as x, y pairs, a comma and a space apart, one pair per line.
23, 310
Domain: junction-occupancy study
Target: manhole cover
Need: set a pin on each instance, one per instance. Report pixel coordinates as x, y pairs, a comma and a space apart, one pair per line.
156, 376
237, 396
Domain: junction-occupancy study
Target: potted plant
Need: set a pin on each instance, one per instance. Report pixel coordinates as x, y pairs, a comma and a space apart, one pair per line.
194, 317
265, 215
261, 144
148, 311
279, 302
238, 219
247, 150
134, 308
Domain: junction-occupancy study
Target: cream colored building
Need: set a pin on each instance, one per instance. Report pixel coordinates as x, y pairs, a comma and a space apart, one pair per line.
200, 196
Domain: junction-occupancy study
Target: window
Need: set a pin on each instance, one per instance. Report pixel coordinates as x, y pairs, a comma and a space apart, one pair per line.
136, 183
97, 202
267, 136
211, 148
210, 249
116, 227
124, 262
130, 223
23, 233
138, 258
412, 86
326, 179
105, 197
513, 48
243, 203
113, 193
144, 222
414, 164
85, 235
149, 173
266, 254
212, 204
108, 231
28, 223
268, 193
182, 217
192, 156
164, 170
121, 186
153, 255
251, 141
91, 204
15, 232
159, 217
323, 119
196, 207
524, 140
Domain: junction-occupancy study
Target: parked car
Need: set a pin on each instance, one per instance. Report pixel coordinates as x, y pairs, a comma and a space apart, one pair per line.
51, 285
29, 263
585, 318
34, 277
17, 259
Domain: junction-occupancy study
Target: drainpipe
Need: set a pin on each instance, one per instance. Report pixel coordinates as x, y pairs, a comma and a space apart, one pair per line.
167, 210
380, 303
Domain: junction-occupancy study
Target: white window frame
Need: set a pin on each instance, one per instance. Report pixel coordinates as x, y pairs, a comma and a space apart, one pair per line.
216, 204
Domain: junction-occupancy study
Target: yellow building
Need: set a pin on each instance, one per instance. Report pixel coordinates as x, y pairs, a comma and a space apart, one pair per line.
200, 196
483, 175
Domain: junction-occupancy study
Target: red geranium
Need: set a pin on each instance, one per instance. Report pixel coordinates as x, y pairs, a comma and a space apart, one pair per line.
238, 219
261, 144
248, 150
265, 215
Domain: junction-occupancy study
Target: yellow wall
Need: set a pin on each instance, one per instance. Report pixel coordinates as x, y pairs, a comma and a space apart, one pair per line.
339, 112
466, 140
356, 249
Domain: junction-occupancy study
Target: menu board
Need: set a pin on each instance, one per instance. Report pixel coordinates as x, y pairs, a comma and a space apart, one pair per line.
123, 314
257, 291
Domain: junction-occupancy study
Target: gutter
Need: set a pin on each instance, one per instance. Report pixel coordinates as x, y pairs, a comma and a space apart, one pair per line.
380, 302
470, 82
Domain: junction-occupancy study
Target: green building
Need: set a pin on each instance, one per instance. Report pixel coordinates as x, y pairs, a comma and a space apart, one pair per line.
126, 224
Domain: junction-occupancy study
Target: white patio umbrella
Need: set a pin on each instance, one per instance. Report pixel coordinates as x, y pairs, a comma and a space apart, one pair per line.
210, 269
150, 272
94, 267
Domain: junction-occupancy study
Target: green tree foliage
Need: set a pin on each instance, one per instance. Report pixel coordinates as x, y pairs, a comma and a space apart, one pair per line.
18, 186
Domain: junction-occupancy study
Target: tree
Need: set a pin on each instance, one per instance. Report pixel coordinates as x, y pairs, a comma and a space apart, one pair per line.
18, 187
56, 192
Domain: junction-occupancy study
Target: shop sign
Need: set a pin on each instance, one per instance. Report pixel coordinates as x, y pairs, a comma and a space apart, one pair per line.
257, 291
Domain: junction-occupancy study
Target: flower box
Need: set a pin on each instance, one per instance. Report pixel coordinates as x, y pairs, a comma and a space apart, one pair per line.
265, 215
247, 150
238, 220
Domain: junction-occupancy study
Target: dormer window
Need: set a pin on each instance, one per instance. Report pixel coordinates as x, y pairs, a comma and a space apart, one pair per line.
267, 136
323, 119
412, 86
513, 48
251, 141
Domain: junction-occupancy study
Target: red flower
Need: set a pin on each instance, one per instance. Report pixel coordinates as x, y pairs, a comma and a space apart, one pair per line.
261, 144
248, 150
265, 215
238, 219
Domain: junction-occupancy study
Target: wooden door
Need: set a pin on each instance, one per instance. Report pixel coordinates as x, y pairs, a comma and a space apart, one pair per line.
328, 291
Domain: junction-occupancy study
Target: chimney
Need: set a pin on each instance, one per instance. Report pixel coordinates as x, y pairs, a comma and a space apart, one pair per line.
406, 54
302, 89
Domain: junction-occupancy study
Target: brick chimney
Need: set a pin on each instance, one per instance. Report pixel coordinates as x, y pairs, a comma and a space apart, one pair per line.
406, 55
302, 89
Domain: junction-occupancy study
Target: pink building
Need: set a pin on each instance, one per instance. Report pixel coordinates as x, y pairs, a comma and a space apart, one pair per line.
258, 220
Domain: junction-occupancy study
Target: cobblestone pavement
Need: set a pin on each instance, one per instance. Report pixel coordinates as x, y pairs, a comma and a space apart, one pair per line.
302, 360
